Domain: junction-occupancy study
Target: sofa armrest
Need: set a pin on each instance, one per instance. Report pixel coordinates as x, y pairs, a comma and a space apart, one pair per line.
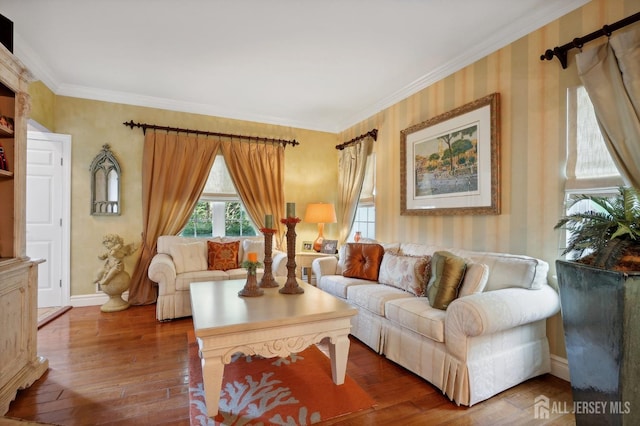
162, 270
279, 265
324, 266
495, 311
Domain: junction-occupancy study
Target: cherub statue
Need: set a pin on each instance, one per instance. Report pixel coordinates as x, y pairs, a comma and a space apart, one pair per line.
112, 278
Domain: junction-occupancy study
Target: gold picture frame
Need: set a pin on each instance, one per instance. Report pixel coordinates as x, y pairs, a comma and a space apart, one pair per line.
450, 164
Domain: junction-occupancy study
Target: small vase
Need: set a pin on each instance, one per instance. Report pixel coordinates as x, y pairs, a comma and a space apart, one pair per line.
251, 288
357, 237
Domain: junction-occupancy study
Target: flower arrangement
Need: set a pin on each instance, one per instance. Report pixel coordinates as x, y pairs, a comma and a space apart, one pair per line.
252, 263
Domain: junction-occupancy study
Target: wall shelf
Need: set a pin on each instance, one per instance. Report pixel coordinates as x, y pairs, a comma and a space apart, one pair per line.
5, 132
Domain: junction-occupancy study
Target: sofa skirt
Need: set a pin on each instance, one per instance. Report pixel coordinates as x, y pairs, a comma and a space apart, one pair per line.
367, 327
425, 357
177, 305
494, 363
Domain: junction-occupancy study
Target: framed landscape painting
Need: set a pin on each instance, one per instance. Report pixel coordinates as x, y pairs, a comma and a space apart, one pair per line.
450, 164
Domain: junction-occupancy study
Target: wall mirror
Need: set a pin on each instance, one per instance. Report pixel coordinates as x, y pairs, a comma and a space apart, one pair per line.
105, 183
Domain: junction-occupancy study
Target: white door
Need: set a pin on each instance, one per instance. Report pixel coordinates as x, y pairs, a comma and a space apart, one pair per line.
48, 213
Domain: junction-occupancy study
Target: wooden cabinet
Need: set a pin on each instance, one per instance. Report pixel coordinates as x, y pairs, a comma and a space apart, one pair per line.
20, 365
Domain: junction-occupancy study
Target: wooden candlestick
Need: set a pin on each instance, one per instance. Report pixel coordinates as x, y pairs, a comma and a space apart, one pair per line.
291, 285
268, 280
251, 288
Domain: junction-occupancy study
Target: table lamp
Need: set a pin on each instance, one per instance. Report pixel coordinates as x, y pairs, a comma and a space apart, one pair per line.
320, 213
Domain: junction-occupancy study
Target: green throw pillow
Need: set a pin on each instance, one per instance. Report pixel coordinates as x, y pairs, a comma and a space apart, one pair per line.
447, 272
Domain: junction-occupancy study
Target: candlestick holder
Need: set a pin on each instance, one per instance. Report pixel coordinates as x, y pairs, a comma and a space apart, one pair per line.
268, 281
291, 285
251, 288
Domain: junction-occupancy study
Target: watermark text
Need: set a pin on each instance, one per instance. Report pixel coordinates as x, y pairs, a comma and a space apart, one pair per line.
543, 407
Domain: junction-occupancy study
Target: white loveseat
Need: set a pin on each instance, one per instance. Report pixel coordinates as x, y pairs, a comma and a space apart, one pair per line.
179, 261
490, 338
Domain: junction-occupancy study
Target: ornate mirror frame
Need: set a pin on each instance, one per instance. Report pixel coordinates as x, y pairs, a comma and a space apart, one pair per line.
105, 184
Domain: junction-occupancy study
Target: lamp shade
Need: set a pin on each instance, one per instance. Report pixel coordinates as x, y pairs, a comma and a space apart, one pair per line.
320, 213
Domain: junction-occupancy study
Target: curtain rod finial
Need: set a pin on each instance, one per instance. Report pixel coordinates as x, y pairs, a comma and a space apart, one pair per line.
548, 55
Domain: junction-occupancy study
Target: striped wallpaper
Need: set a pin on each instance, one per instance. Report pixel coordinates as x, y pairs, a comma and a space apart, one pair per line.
532, 133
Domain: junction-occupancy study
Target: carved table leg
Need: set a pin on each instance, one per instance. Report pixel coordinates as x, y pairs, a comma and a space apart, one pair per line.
212, 370
339, 351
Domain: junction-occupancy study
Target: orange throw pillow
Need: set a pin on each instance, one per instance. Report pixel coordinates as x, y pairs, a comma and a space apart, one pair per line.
363, 261
223, 256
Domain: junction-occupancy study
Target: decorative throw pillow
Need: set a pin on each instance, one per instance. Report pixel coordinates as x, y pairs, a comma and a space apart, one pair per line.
255, 246
423, 275
408, 273
475, 279
223, 256
447, 272
189, 257
362, 261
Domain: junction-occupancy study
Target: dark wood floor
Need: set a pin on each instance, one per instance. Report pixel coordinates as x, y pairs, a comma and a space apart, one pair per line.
126, 368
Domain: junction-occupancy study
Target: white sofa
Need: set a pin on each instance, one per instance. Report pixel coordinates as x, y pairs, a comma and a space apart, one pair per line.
490, 338
179, 261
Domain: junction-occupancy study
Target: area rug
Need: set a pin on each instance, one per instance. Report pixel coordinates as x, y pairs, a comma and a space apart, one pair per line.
46, 315
296, 390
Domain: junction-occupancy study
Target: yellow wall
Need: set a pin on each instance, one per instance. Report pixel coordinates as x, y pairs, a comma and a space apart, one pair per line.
93, 124
43, 103
532, 123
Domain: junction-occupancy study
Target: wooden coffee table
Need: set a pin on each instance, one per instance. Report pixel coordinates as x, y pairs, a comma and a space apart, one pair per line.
272, 325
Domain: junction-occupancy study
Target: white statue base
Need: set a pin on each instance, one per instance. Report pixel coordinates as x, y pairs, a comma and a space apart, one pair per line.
116, 286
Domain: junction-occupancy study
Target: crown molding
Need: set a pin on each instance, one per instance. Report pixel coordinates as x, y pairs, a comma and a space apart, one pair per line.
179, 106
500, 39
31, 60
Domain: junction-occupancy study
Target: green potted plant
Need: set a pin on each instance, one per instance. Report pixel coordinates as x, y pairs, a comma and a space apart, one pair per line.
600, 300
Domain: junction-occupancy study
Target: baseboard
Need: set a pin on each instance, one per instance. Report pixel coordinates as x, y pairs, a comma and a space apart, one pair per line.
93, 299
560, 367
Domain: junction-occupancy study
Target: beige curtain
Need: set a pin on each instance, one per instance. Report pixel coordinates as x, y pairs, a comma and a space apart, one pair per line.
611, 75
174, 171
257, 171
352, 163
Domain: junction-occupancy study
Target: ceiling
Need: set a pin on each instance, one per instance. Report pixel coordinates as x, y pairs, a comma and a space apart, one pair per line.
320, 65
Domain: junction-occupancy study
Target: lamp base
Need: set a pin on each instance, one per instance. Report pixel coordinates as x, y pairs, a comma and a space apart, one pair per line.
317, 244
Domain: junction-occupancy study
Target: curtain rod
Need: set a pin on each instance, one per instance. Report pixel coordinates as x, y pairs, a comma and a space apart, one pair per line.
578, 42
145, 126
373, 133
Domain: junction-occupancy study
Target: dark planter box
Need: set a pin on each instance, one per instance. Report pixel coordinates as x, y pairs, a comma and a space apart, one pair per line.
601, 319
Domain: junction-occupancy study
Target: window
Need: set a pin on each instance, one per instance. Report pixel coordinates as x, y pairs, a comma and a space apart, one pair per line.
589, 165
365, 220
219, 212
218, 218
590, 169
